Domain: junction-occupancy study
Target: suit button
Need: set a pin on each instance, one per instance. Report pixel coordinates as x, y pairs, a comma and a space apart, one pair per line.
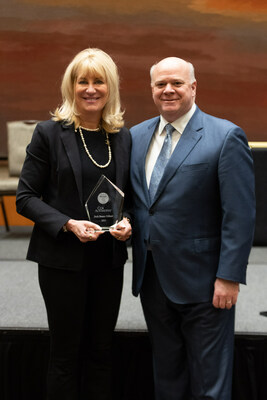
151, 212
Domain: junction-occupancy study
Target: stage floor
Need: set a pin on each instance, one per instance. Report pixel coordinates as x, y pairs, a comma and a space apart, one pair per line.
22, 306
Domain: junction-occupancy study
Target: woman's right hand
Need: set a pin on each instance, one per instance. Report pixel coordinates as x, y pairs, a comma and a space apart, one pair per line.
85, 231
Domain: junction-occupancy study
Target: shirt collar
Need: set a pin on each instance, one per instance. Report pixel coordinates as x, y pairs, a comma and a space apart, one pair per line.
180, 123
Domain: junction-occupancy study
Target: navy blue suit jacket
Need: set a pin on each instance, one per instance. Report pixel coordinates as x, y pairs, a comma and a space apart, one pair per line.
201, 222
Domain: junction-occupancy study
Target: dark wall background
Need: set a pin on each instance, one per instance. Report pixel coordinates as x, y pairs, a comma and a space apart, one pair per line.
225, 40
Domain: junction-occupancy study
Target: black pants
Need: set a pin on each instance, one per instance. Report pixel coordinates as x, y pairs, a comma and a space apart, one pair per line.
82, 309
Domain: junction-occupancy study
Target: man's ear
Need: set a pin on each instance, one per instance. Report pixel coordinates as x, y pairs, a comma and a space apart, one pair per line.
194, 88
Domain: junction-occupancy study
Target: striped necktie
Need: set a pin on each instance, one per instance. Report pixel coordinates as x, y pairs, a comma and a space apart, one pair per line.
161, 162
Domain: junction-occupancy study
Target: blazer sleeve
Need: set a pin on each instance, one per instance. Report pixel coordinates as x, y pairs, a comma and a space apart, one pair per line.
237, 191
128, 206
36, 189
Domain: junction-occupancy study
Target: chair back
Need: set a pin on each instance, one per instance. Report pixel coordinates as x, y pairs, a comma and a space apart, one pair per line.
19, 134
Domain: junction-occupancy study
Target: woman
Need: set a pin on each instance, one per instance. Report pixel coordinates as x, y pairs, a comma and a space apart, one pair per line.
80, 266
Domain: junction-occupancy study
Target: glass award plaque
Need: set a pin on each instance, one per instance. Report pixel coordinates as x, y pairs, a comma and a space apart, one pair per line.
104, 204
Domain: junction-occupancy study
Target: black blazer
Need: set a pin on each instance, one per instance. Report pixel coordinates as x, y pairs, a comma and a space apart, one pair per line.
50, 193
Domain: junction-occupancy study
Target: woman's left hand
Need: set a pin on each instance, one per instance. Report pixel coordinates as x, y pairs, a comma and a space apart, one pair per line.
122, 230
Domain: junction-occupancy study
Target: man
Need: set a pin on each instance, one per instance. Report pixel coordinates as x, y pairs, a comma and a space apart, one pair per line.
193, 230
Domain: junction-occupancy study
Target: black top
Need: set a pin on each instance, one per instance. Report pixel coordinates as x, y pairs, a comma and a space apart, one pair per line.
97, 147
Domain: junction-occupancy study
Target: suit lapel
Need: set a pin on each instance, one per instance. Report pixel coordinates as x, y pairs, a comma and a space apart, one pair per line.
68, 138
118, 156
144, 146
189, 139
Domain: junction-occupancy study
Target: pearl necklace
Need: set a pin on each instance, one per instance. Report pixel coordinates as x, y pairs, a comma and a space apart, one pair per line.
91, 130
88, 153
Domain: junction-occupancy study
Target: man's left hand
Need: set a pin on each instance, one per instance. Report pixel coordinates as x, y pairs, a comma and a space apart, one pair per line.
225, 293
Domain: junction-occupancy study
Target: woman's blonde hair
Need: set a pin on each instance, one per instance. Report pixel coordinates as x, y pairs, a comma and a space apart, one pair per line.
96, 63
